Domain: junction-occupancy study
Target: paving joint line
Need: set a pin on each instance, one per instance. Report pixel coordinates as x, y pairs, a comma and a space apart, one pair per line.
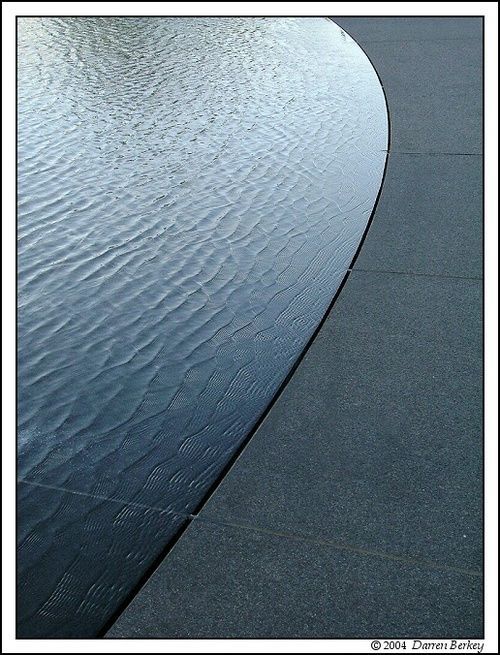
445, 40
434, 153
413, 274
288, 535
413, 561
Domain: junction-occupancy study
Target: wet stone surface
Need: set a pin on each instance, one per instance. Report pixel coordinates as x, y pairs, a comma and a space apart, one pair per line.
191, 192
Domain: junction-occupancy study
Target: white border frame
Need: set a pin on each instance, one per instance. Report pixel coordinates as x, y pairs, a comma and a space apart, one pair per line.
9, 11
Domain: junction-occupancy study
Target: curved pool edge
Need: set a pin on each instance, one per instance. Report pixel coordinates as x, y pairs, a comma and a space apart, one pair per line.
107, 629
388, 149
232, 534
34, 495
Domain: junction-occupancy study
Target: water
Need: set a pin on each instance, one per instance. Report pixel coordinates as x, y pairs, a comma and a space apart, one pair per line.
191, 193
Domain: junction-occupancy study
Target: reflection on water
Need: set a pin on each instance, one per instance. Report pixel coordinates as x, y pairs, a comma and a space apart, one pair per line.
191, 192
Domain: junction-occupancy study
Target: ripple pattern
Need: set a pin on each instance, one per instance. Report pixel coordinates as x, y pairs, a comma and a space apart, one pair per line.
191, 192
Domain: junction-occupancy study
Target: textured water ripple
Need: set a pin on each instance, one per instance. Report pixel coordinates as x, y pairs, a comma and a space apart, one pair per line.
191, 192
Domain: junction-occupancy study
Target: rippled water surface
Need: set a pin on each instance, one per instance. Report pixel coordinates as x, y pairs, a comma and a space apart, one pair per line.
191, 192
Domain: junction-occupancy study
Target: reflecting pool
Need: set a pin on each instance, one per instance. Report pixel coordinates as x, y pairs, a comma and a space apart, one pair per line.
191, 192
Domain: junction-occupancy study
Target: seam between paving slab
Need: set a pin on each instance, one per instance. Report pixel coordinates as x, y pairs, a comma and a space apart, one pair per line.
415, 561
338, 545
442, 40
436, 153
415, 274
320, 541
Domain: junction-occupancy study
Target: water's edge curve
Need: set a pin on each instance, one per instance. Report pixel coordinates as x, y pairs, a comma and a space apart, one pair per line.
99, 500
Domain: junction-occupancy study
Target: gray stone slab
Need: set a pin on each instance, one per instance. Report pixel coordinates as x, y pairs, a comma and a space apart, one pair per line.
231, 583
377, 439
393, 29
429, 218
434, 88
448, 121
434, 67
